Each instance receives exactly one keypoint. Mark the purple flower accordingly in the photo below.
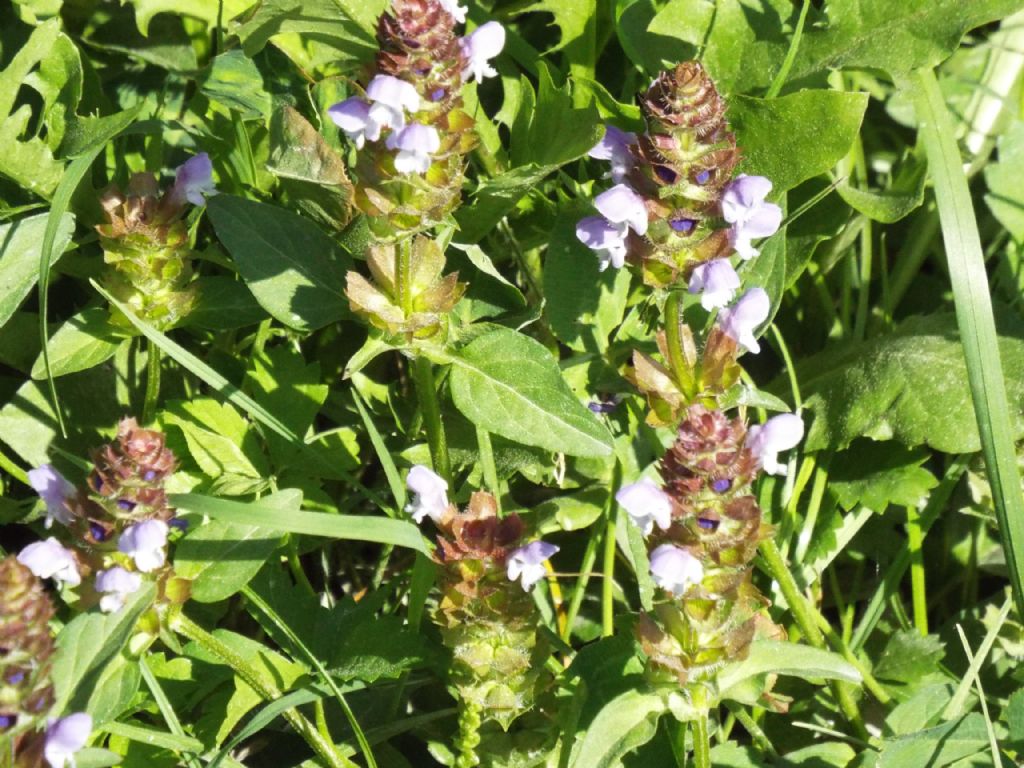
(779, 433)
(456, 10)
(116, 584)
(49, 560)
(751, 217)
(741, 319)
(479, 47)
(621, 209)
(604, 238)
(674, 569)
(615, 146)
(144, 542)
(646, 504)
(193, 181)
(64, 737)
(716, 281)
(527, 563)
(431, 494)
(415, 144)
(54, 490)
(353, 117)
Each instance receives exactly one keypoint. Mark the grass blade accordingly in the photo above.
(974, 317)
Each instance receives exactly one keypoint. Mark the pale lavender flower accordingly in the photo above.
(605, 239)
(646, 504)
(64, 737)
(615, 146)
(416, 144)
(674, 569)
(391, 97)
(430, 497)
(145, 542)
(623, 207)
(456, 10)
(741, 319)
(48, 559)
(353, 117)
(751, 217)
(716, 281)
(117, 585)
(479, 47)
(527, 563)
(55, 491)
(193, 181)
(779, 433)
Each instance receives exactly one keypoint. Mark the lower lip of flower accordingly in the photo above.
(682, 226)
(707, 523)
(721, 485)
(665, 174)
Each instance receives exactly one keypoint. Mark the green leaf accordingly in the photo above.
(203, 10)
(1005, 196)
(879, 474)
(909, 657)
(83, 341)
(626, 722)
(233, 81)
(154, 737)
(773, 657)
(577, 22)
(509, 384)
(893, 203)
(295, 271)
(89, 641)
(819, 128)
(555, 131)
(494, 198)
(20, 253)
(583, 304)
(936, 747)
(111, 693)
(223, 304)
(909, 385)
(400, 533)
(222, 557)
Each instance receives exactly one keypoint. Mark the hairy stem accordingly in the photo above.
(426, 391)
(152, 382)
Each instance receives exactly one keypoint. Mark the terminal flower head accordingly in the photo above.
(389, 99)
(145, 543)
(674, 569)
(751, 217)
(479, 47)
(779, 433)
(65, 737)
(48, 559)
(416, 144)
(116, 584)
(430, 497)
(716, 281)
(526, 564)
(739, 321)
(646, 504)
(55, 491)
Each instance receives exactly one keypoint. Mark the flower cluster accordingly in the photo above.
(676, 209)
(702, 526)
(118, 529)
(487, 619)
(26, 693)
(145, 241)
(408, 125)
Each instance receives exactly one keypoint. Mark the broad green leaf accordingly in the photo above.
(921, 710)
(494, 198)
(1005, 196)
(509, 384)
(154, 737)
(908, 657)
(555, 130)
(233, 81)
(400, 533)
(93, 757)
(112, 692)
(768, 657)
(89, 641)
(83, 341)
(936, 747)
(910, 385)
(204, 10)
(577, 22)
(905, 194)
(223, 304)
(626, 722)
(818, 127)
(311, 174)
(20, 251)
(571, 512)
(168, 45)
(583, 304)
(222, 557)
(296, 272)
(879, 474)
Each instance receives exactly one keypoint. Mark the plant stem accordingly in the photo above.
(608, 587)
(483, 440)
(701, 741)
(673, 320)
(152, 382)
(265, 688)
(915, 538)
(426, 390)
